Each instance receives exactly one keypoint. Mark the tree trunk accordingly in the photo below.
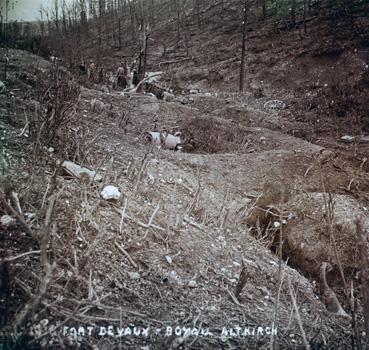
(178, 21)
(143, 52)
(305, 14)
(56, 9)
(198, 13)
(119, 33)
(112, 26)
(243, 51)
(132, 15)
(152, 14)
(293, 13)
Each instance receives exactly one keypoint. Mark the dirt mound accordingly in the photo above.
(322, 227)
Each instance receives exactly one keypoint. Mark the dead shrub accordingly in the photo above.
(60, 95)
(211, 136)
(346, 104)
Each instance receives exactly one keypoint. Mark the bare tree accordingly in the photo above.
(56, 15)
(152, 13)
(198, 13)
(83, 17)
(263, 6)
(132, 13)
(143, 39)
(243, 50)
(293, 13)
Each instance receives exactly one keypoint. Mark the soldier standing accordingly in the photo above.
(121, 76)
(101, 75)
(83, 68)
(91, 71)
(135, 78)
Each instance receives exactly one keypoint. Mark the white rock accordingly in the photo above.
(110, 192)
(168, 259)
(277, 224)
(151, 178)
(174, 275)
(7, 221)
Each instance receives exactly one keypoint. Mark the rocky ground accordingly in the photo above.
(191, 228)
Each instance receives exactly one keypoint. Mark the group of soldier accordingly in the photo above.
(121, 80)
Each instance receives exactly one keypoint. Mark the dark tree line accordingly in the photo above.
(67, 27)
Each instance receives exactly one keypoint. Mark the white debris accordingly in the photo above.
(44, 322)
(30, 216)
(347, 138)
(7, 220)
(192, 284)
(51, 149)
(2, 87)
(150, 94)
(277, 224)
(164, 139)
(151, 179)
(78, 171)
(275, 104)
(168, 259)
(174, 275)
(153, 76)
(134, 276)
(110, 192)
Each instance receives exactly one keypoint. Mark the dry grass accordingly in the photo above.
(212, 136)
(111, 262)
